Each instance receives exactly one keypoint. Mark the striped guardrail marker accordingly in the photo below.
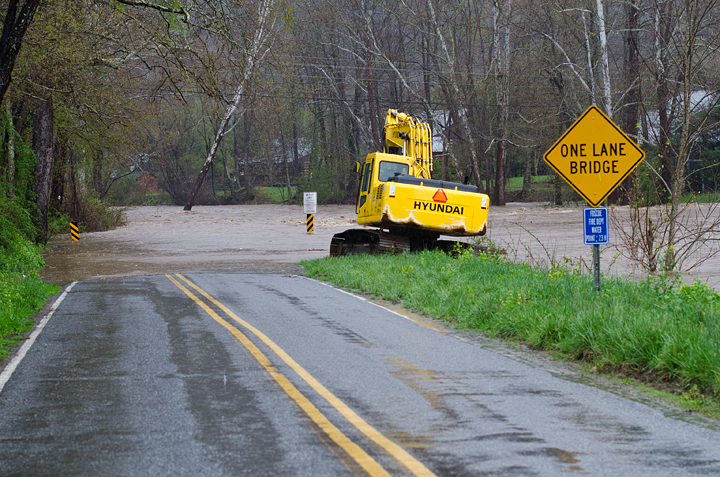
(310, 206)
(74, 232)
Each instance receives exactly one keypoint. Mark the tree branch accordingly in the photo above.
(160, 8)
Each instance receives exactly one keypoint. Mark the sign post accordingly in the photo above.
(310, 206)
(594, 156)
(595, 230)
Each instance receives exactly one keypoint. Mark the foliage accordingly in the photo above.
(18, 255)
(22, 188)
(324, 181)
(704, 158)
(95, 215)
(15, 220)
(273, 195)
(658, 328)
(20, 298)
(21, 292)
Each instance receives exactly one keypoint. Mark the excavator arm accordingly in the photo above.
(406, 136)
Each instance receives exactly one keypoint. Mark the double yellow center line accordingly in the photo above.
(362, 458)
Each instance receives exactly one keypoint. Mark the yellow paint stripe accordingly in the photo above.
(395, 450)
(354, 451)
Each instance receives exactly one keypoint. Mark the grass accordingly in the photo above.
(22, 294)
(20, 298)
(517, 182)
(658, 330)
(708, 198)
(274, 195)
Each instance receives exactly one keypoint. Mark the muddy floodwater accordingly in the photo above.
(273, 238)
(167, 239)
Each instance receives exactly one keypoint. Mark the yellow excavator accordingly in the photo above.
(402, 206)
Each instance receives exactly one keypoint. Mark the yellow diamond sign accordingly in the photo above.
(594, 156)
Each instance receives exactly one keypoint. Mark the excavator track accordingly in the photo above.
(374, 242)
(362, 241)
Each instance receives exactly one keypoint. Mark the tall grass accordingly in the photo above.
(20, 298)
(658, 328)
(21, 292)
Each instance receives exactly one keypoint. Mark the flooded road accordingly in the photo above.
(272, 238)
(166, 239)
(232, 364)
(267, 374)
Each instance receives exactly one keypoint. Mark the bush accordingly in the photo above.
(325, 182)
(90, 213)
(17, 218)
(18, 255)
(96, 215)
(21, 292)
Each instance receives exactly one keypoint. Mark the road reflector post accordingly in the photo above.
(74, 232)
(310, 207)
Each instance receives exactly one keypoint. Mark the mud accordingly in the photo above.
(273, 238)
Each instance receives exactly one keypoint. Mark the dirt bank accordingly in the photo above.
(273, 238)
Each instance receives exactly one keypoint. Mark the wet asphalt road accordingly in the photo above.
(132, 377)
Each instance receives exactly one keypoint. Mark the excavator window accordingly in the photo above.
(366, 177)
(389, 169)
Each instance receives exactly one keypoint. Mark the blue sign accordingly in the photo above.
(595, 225)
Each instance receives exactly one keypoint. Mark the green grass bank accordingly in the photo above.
(657, 330)
(22, 294)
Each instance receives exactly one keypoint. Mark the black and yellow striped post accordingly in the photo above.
(310, 207)
(74, 232)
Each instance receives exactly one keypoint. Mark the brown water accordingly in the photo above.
(273, 238)
(155, 240)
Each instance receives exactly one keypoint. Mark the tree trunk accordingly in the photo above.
(43, 147)
(502, 86)
(623, 195)
(527, 177)
(663, 95)
(296, 147)
(98, 175)
(248, 171)
(10, 152)
(371, 99)
(14, 27)
(287, 167)
(558, 189)
(607, 90)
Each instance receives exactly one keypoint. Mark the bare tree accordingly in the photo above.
(257, 51)
(501, 37)
(690, 49)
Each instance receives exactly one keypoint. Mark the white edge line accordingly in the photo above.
(351, 294)
(7, 372)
